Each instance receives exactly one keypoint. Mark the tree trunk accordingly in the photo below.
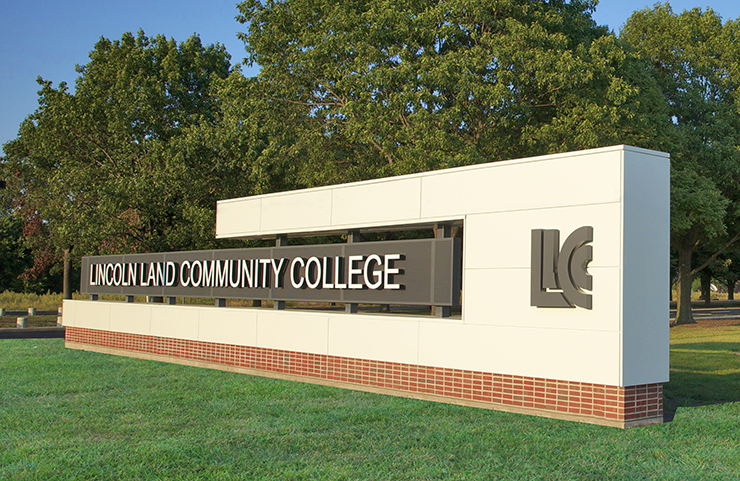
(730, 290)
(683, 286)
(706, 287)
(67, 276)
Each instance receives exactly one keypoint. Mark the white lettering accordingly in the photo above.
(170, 273)
(234, 282)
(246, 273)
(293, 272)
(376, 271)
(317, 271)
(193, 277)
(152, 277)
(389, 270)
(337, 273)
(109, 274)
(276, 270)
(222, 273)
(265, 272)
(352, 272)
(209, 274)
(160, 274)
(185, 277)
(326, 271)
(368, 269)
(143, 275)
(117, 274)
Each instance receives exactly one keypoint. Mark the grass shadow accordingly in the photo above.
(702, 373)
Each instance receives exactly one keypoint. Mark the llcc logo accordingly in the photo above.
(561, 268)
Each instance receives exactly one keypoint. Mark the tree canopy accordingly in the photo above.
(387, 88)
(155, 131)
(695, 60)
(113, 167)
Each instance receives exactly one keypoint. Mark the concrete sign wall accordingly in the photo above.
(564, 281)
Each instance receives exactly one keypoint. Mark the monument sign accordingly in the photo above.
(547, 279)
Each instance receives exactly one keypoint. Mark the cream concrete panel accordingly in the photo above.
(298, 210)
(583, 356)
(505, 239)
(293, 331)
(131, 318)
(93, 315)
(583, 178)
(374, 337)
(389, 201)
(228, 326)
(69, 310)
(502, 297)
(646, 268)
(238, 216)
(178, 322)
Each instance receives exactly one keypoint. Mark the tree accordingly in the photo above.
(14, 258)
(54, 194)
(244, 139)
(728, 270)
(387, 88)
(113, 167)
(695, 62)
(26, 263)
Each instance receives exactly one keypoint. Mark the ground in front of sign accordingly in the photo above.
(117, 417)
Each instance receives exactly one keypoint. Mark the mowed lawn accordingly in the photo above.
(75, 415)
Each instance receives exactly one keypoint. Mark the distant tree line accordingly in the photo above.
(156, 131)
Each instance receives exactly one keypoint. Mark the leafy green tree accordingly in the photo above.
(728, 270)
(55, 196)
(386, 88)
(26, 262)
(695, 61)
(14, 258)
(244, 139)
(113, 167)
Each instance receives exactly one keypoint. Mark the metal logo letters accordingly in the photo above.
(559, 275)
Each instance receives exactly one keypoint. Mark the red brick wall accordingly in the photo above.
(591, 402)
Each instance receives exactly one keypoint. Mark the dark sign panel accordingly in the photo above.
(417, 272)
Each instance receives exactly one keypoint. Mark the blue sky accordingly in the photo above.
(48, 38)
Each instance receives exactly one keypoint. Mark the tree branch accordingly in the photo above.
(714, 256)
(308, 104)
(380, 149)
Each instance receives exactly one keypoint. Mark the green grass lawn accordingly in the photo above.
(76, 415)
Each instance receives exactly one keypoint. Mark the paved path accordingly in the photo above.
(713, 313)
(32, 333)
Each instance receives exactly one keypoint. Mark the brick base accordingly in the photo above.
(585, 402)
